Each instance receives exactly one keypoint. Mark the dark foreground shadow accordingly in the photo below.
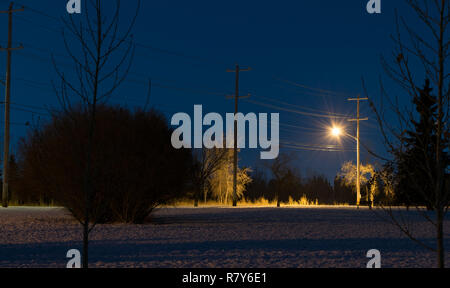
(114, 252)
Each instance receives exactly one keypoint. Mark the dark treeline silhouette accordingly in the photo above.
(292, 187)
(342, 192)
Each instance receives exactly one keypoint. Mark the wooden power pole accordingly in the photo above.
(236, 100)
(8, 50)
(358, 163)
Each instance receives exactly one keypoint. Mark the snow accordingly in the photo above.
(218, 237)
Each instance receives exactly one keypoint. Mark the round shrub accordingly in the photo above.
(134, 167)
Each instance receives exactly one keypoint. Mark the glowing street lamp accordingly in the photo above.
(336, 131)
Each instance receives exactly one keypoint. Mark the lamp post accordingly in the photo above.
(337, 132)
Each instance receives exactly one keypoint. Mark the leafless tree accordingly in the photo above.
(206, 163)
(102, 54)
(422, 54)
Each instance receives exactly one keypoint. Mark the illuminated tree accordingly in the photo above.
(349, 174)
(206, 163)
(221, 182)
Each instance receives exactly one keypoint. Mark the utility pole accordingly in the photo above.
(358, 167)
(236, 100)
(8, 50)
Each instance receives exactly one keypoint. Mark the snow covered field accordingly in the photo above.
(217, 237)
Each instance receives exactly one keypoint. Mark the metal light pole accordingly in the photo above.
(336, 132)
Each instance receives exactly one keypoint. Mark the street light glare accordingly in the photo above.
(336, 131)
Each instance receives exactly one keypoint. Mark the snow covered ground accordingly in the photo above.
(217, 237)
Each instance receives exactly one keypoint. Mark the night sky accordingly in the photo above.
(185, 47)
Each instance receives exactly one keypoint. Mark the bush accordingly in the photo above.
(134, 166)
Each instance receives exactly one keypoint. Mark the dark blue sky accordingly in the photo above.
(324, 44)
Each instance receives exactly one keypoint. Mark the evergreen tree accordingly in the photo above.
(417, 163)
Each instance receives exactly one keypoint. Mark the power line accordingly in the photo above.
(30, 106)
(38, 85)
(323, 91)
(30, 111)
(178, 54)
(177, 88)
(321, 146)
(34, 107)
(138, 44)
(36, 11)
(43, 59)
(298, 127)
(302, 92)
(204, 91)
(51, 52)
(300, 148)
(129, 80)
(33, 84)
(24, 19)
(303, 107)
(294, 111)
